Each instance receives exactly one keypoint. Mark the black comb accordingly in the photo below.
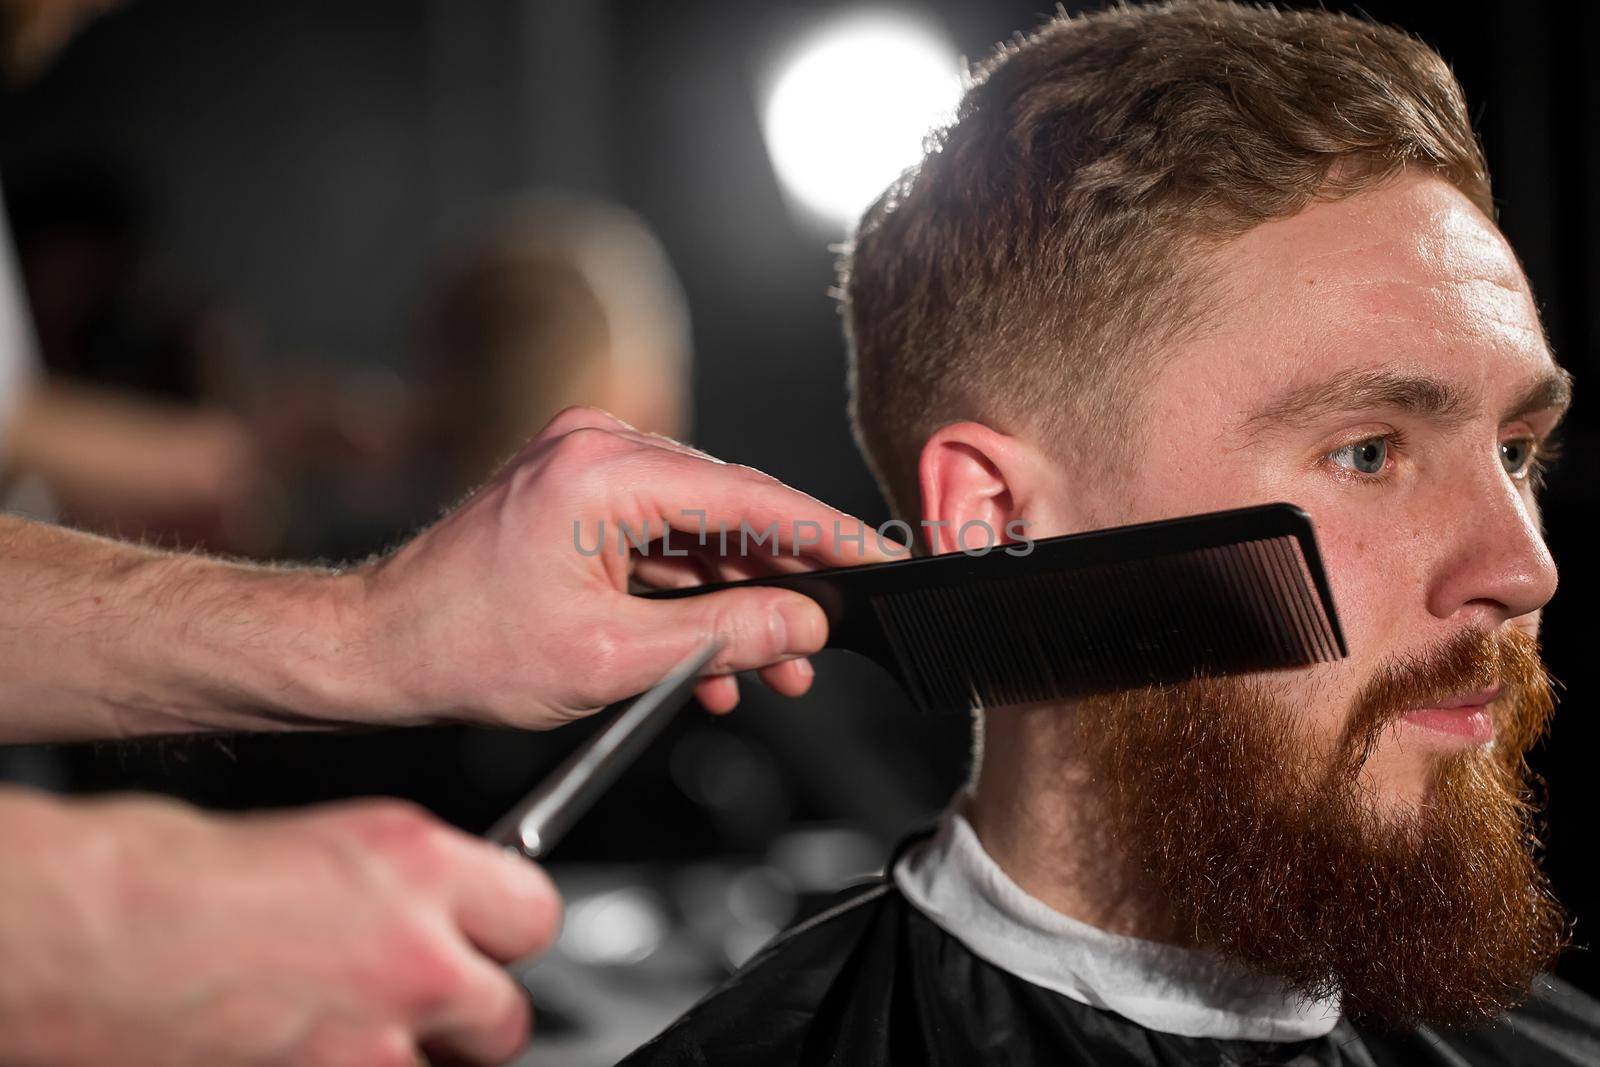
(1160, 602)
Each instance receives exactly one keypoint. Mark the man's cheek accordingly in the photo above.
(1185, 483)
(1377, 576)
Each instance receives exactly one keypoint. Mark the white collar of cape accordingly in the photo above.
(954, 882)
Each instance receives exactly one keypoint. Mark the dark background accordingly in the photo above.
(307, 161)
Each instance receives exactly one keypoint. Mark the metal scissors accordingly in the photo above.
(534, 826)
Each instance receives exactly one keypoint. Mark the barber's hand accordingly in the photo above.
(496, 615)
(141, 932)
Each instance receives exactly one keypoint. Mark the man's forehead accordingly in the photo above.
(1408, 277)
(1414, 228)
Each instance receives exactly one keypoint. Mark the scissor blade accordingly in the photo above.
(546, 814)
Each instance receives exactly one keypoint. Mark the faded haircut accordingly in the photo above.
(1030, 272)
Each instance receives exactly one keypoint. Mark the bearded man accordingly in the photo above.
(1169, 260)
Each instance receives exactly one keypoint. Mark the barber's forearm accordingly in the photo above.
(494, 614)
(104, 639)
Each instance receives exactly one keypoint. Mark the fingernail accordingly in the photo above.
(802, 626)
(804, 667)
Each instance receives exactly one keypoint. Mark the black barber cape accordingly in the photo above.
(872, 982)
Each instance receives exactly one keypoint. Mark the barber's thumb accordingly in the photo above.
(757, 626)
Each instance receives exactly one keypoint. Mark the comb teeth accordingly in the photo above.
(991, 642)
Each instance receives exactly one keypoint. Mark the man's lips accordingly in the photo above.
(1464, 716)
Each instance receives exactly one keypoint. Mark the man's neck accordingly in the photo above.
(1038, 814)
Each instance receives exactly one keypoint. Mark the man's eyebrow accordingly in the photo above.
(1552, 389)
(1434, 399)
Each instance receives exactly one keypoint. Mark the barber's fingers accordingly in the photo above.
(792, 677)
(730, 522)
(644, 489)
(674, 565)
(503, 904)
(768, 520)
(486, 1022)
(672, 572)
(757, 626)
(690, 490)
(720, 693)
(350, 1041)
(700, 567)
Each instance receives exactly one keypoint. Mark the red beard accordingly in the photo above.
(1436, 915)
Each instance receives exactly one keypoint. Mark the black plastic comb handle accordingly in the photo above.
(1223, 592)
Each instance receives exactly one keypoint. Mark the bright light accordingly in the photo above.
(849, 108)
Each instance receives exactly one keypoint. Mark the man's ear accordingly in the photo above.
(981, 488)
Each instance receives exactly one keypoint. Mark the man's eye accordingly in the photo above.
(1518, 456)
(1364, 457)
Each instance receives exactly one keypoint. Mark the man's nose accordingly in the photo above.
(1496, 559)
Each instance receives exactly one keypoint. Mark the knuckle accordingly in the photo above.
(430, 978)
(574, 462)
(586, 445)
(747, 630)
(398, 821)
(387, 817)
(405, 835)
(574, 417)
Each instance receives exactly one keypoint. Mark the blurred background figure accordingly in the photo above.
(136, 427)
(549, 299)
(118, 433)
(558, 299)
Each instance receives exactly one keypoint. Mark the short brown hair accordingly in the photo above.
(1026, 271)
